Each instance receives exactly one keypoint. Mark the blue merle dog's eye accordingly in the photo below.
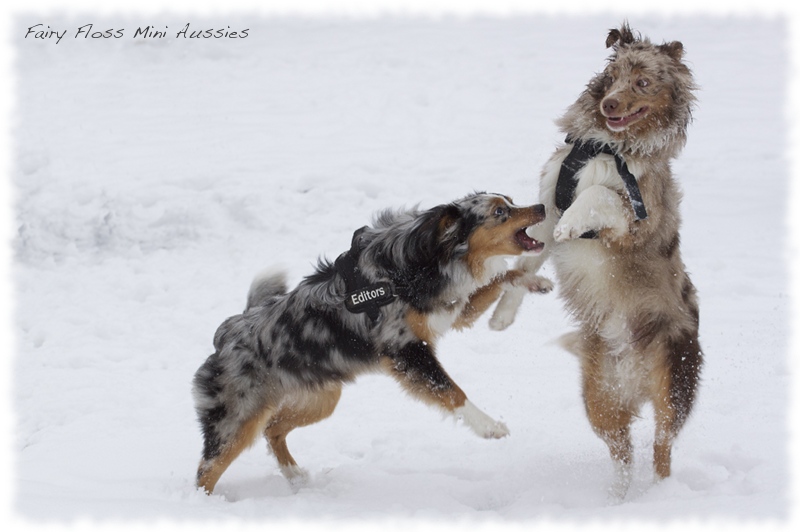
(500, 211)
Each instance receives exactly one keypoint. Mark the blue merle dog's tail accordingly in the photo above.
(266, 285)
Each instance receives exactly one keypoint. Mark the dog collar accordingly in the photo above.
(361, 295)
(578, 157)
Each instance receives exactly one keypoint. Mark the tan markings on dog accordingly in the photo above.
(209, 473)
(660, 384)
(493, 239)
(418, 324)
(482, 299)
(449, 398)
(306, 409)
(609, 417)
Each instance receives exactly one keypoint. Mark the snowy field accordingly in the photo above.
(153, 178)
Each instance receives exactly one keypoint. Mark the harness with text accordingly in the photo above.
(361, 296)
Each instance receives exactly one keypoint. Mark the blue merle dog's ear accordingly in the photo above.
(449, 229)
(436, 238)
(449, 217)
(456, 225)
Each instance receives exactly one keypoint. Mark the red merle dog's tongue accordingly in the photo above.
(526, 242)
(622, 121)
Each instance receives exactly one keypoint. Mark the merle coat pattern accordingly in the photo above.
(628, 290)
(282, 362)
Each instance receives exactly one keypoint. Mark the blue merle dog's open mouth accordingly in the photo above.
(526, 242)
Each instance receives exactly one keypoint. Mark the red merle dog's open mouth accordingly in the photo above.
(618, 123)
(526, 242)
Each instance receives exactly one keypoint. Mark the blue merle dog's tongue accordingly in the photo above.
(526, 242)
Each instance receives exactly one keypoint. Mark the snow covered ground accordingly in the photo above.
(153, 178)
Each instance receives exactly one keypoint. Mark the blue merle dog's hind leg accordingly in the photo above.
(303, 410)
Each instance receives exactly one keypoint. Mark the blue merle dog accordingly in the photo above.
(381, 306)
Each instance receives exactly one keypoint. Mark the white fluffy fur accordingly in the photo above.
(480, 423)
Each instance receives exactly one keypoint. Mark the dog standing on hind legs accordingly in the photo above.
(380, 307)
(612, 232)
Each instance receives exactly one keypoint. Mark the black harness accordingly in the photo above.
(360, 294)
(578, 157)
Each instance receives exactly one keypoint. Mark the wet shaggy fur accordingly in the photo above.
(628, 290)
(282, 363)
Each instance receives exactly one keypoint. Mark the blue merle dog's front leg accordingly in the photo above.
(416, 369)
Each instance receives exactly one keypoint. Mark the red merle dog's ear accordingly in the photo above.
(619, 37)
(673, 49)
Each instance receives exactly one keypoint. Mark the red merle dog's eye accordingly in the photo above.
(642, 83)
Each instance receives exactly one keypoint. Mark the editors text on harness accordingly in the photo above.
(361, 295)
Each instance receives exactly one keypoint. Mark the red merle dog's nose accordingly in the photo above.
(610, 105)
